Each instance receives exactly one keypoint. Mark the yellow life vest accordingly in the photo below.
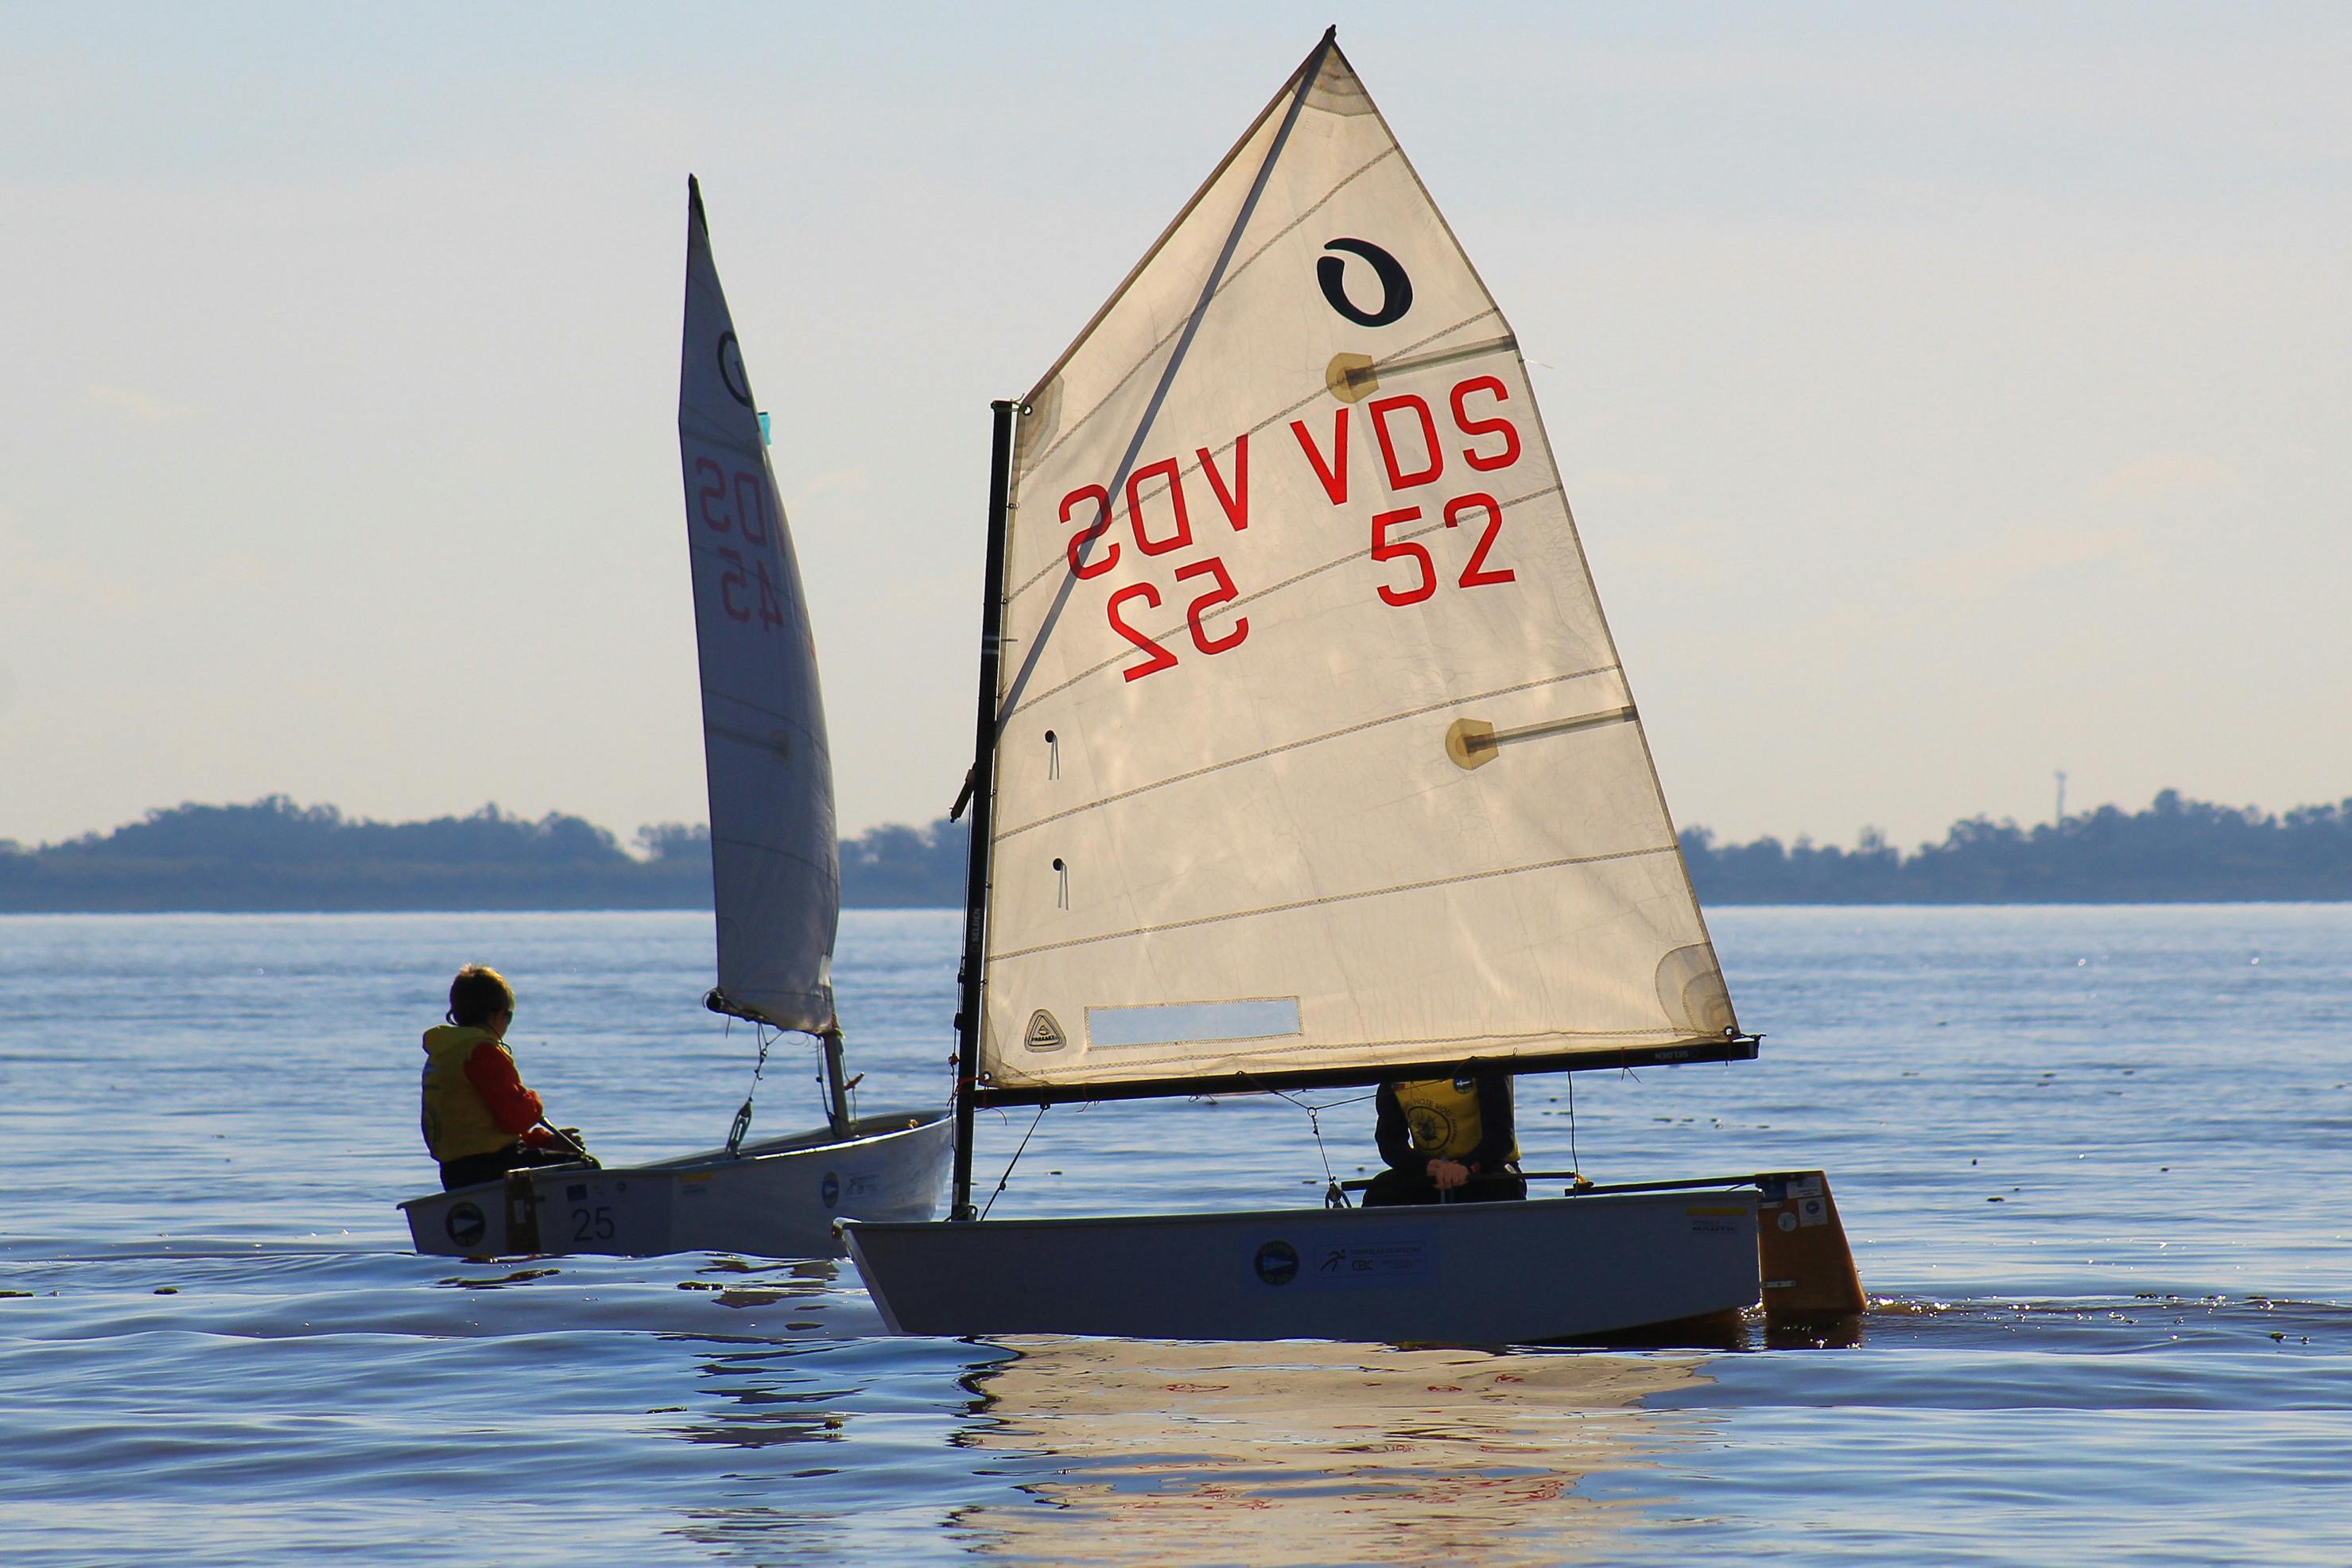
(1442, 1116)
(456, 1118)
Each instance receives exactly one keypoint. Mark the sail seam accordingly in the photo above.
(1231, 604)
(1061, 562)
(1306, 741)
(1231, 278)
(777, 850)
(746, 738)
(1330, 899)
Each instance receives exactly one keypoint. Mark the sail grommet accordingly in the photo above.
(1062, 898)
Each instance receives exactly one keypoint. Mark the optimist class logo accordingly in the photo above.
(1396, 289)
(730, 370)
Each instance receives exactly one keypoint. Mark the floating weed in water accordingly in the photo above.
(520, 1276)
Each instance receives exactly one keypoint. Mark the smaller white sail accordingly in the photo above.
(775, 866)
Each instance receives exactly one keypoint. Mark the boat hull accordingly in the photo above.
(1497, 1273)
(777, 1198)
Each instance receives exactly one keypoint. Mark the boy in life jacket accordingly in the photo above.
(479, 1120)
(1446, 1141)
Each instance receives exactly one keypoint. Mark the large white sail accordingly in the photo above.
(775, 866)
(1313, 751)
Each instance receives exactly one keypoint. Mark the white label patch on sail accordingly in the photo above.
(775, 868)
(1308, 692)
(1178, 1023)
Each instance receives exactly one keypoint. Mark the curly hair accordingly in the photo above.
(477, 994)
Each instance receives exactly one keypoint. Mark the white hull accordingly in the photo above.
(778, 1198)
(1499, 1273)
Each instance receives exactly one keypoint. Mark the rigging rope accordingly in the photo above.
(1002, 1180)
(1333, 1197)
(743, 1115)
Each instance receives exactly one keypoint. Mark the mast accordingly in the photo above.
(837, 1093)
(983, 791)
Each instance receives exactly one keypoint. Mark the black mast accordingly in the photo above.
(981, 790)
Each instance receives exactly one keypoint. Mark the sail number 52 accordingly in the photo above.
(737, 503)
(1422, 576)
(1157, 657)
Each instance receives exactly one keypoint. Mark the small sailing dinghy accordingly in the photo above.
(776, 881)
(1304, 759)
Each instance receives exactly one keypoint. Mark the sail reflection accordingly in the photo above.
(1304, 1453)
(768, 1398)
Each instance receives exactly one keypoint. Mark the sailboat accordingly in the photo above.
(776, 885)
(1304, 759)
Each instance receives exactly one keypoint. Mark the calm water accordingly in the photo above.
(2095, 1161)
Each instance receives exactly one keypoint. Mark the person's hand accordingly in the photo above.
(1448, 1174)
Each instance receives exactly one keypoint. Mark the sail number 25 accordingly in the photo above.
(736, 504)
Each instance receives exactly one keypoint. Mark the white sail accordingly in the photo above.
(1313, 751)
(775, 866)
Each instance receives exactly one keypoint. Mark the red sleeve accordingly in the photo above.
(492, 1073)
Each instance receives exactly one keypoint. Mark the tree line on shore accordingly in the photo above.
(273, 855)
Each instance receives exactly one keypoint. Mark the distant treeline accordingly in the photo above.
(276, 855)
(2177, 851)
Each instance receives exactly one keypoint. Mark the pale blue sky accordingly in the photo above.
(1947, 395)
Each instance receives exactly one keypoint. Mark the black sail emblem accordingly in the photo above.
(730, 370)
(1396, 289)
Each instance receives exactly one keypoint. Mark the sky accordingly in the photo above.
(1948, 395)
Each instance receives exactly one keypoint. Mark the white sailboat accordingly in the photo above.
(776, 883)
(1305, 758)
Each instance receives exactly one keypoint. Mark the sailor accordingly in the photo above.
(1446, 1141)
(479, 1120)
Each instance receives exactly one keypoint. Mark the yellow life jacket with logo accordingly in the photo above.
(456, 1118)
(1442, 1116)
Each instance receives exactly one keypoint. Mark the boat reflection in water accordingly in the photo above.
(1306, 1452)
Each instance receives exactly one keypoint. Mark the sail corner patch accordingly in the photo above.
(1044, 1033)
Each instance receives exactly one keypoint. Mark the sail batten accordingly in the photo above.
(775, 868)
(1319, 730)
(1004, 833)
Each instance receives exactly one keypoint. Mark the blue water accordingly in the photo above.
(2094, 1163)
